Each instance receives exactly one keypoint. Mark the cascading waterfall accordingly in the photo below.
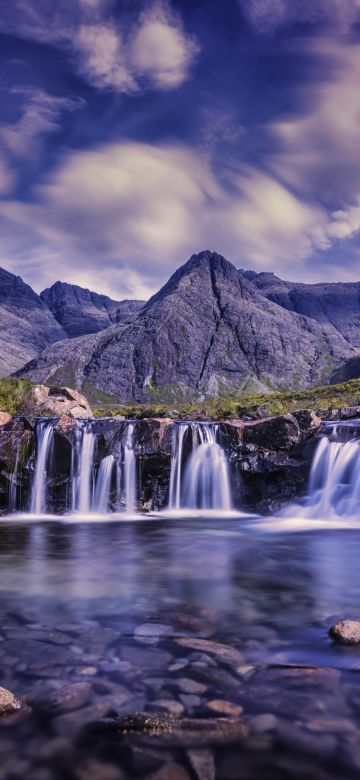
(90, 494)
(201, 480)
(334, 484)
(44, 435)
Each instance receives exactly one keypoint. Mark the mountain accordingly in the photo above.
(209, 330)
(80, 311)
(26, 324)
(336, 304)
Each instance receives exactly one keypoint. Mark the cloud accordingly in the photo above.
(159, 50)
(268, 15)
(317, 146)
(151, 49)
(147, 208)
(40, 115)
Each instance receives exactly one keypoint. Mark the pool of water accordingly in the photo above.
(196, 617)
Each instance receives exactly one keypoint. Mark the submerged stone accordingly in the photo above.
(346, 632)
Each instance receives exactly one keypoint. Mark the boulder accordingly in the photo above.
(4, 418)
(308, 421)
(9, 704)
(59, 401)
(273, 433)
(346, 632)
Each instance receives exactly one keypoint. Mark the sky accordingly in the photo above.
(134, 133)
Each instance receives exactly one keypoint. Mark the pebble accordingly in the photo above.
(187, 685)
(223, 652)
(225, 707)
(170, 705)
(93, 769)
(66, 699)
(153, 630)
(262, 723)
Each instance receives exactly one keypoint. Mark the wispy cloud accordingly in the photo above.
(152, 206)
(267, 15)
(150, 49)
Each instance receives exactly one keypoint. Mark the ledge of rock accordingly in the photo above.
(346, 632)
(274, 433)
(59, 401)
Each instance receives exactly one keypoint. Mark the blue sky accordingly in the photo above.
(134, 133)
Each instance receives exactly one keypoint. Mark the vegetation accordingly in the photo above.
(13, 394)
(325, 397)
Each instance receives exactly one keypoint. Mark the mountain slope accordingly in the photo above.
(80, 311)
(336, 304)
(208, 330)
(26, 324)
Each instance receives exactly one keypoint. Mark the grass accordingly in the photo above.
(325, 397)
(14, 393)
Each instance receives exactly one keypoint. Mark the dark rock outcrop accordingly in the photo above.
(80, 311)
(334, 304)
(27, 326)
(350, 370)
(208, 331)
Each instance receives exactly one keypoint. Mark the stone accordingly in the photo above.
(59, 401)
(203, 764)
(187, 685)
(262, 723)
(346, 632)
(66, 699)
(274, 433)
(308, 421)
(95, 769)
(225, 653)
(225, 707)
(170, 772)
(4, 418)
(9, 704)
(152, 630)
(178, 732)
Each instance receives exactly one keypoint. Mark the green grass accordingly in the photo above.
(325, 397)
(13, 394)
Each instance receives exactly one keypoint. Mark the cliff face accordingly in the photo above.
(26, 324)
(208, 331)
(336, 305)
(80, 311)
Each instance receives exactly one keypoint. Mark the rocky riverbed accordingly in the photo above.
(187, 650)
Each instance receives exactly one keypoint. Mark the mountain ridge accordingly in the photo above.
(208, 331)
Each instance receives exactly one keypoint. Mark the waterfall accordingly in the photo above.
(334, 484)
(119, 473)
(44, 436)
(129, 469)
(103, 484)
(201, 480)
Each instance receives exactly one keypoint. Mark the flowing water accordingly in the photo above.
(199, 477)
(44, 435)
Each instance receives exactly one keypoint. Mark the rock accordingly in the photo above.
(26, 324)
(308, 421)
(80, 311)
(203, 764)
(205, 332)
(178, 732)
(187, 685)
(225, 707)
(9, 704)
(59, 401)
(152, 630)
(347, 632)
(4, 418)
(225, 653)
(262, 723)
(170, 772)
(66, 699)
(95, 769)
(274, 433)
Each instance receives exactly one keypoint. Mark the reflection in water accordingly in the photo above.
(291, 583)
